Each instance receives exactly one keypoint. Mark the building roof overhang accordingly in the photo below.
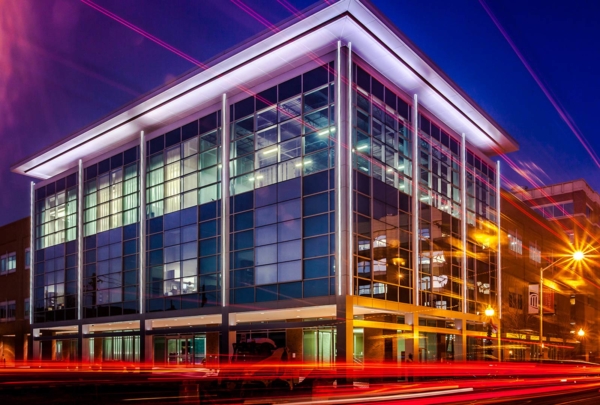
(373, 39)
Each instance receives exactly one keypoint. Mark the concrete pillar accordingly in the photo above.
(212, 348)
(460, 340)
(84, 344)
(98, 350)
(146, 343)
(34, 346)
(293, 341)
(345, 330)
(411, 343)
(374, 345)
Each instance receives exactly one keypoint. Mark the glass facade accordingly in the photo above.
(111, 229)
(482, 235)
(282, 221)
(55, 277)
(282, 224)
(382, 183)
(111, 188)
(183, 211)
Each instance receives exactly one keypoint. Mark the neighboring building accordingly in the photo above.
(14, 291)
(531, 243)
(574, 208)
(280, 193)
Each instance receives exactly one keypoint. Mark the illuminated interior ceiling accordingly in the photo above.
(297, 43)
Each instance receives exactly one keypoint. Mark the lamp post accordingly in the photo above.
(577, 256)
(581, 334)
(489, 312)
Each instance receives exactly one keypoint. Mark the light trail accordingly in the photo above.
(557, 106)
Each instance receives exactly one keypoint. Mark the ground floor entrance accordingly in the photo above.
(180, 350)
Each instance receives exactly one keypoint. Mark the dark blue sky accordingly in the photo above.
(63, 65)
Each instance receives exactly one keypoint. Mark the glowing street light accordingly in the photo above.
(489, 311)
(577, 256)
(581, 332)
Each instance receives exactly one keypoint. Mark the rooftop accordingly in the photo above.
(294, 43)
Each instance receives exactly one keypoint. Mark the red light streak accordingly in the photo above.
(559, 109)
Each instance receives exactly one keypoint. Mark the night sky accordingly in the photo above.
(64, 65)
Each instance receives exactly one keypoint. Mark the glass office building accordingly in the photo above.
(324, 186)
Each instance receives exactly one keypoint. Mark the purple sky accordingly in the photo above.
(64, 65)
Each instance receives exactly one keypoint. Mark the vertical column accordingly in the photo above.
(142, 217)
(415, 199)
(499, 239)
(347, 143)
(80, 241)
(32, 218)
(411, 344)
(343, 186)
(463, 220)
(460, 340)
(224, 204)
(499, 260)
(83, 347)
(146, 349)
(340, 271)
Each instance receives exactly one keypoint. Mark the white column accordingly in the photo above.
(32, 218)
(499, 247)
(142, 217)
(347, 141)
(224, 202)
(463, 214)
(80, 240)
(415, 200)
(339, 269)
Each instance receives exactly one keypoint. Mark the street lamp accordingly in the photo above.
(577, 256)
(581, 334)
(489, 312)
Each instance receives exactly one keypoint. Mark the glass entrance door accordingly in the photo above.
(179, 351)
(319, 346)
(185, 350)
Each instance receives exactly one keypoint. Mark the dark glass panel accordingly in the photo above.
(104, 166)
(315, 183)
(130, 232)
(209, 122)
(244, 108)
(130, 155)
(315, 268)
(316, 288)
(289, 189)
(377, 88)
(243, 202)
(265, 195)
(243, 295)
(315, 78)
(266, 293)
(156, 145)
(363, 79)
(318, 246)
(290, 290)
(60, 185)
(266, 98)
(189, 130)
(208, 211)
(290, 88)
(116, 161)
(173, 137)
